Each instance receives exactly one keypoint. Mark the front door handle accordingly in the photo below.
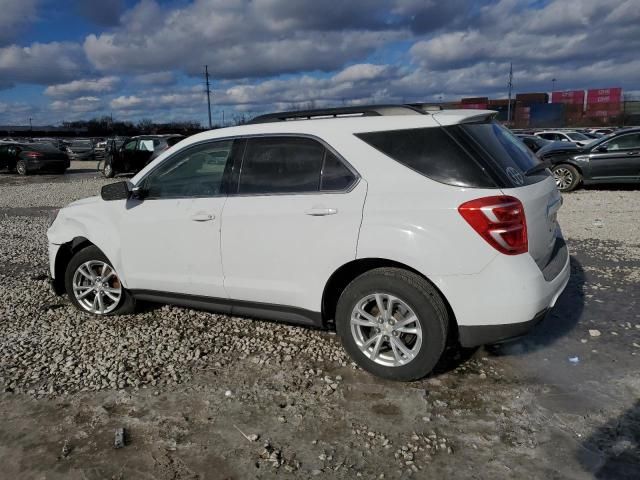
(321, 212)
(632, 153)
(202, 217)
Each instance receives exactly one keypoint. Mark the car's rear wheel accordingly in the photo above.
(21, 167)
(93, 284)
(567, 177)
(393, 323)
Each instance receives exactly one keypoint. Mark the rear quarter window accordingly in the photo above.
(432, 152)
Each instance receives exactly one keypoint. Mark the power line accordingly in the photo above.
(206, 76)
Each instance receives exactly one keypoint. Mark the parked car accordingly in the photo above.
(534, 143)
(564, 136)
(25, 158)
(403, 229)
(600, 131)
(100, 148)
(81, 150)
(134, 153)
(614, 158)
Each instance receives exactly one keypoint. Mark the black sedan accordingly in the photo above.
(134, 153)
(26, 158)
(614, 158)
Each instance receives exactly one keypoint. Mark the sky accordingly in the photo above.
(65, 60)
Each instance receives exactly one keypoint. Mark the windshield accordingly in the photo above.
(577, 136)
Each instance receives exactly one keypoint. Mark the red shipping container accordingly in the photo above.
(474, 106)
(604, 95)
(475, 100)
(574, 97)
(605, 106)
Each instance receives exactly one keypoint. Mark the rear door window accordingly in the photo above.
(281, 165)
(335, 174)
(432, 152)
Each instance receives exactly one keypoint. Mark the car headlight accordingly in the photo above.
(53, 214)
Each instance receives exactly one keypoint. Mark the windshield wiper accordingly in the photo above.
(537, 168)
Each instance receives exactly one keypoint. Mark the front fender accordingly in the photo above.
(98, 223)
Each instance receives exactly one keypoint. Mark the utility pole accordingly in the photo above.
(30, 125)
(510, 84)
(206, 76)
(223, 118)
(553, 84)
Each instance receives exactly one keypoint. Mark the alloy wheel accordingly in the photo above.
(96, 287)
(564, 178)
(386, 330)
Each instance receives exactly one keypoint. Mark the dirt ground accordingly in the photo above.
(281, 401)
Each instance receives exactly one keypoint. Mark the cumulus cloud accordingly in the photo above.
(239, 39)
(84, 86)
(126, 102)
(15, 15)
(77, 105)
(41, 63)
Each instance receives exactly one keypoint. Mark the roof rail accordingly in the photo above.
(354, 111)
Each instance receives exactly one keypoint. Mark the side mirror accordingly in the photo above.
(116, 191)
(602, 148)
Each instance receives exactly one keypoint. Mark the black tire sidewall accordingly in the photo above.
(86, 254)
(24, 165)
(108, 170)
(432, 317)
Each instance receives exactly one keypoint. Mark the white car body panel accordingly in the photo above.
(276, 252)
(173, 245)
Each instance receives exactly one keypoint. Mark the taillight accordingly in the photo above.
(33, 154)
(500, 220)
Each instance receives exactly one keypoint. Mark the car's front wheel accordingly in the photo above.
(93, 284)
(393, 323)
(567, 177)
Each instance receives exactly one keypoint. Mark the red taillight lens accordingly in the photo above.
(500, 220)
(33, 154)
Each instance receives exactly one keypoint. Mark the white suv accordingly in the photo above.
(402, 228)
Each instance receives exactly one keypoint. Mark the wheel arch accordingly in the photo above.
(63, 257)
(348, 272)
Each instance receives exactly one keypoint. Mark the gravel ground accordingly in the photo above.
(210, 396)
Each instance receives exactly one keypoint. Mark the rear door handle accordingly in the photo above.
(321, 212)
(202, 217)
(632, 153)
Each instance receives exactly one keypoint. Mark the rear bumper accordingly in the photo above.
(473, 336)
(507, 298)
(47, 165)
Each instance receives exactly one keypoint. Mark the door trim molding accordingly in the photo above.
(268, 311)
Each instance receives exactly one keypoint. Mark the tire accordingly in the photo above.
(108, 170)
(423, 338)
(92, 260)
(567, 177)
(21, 167)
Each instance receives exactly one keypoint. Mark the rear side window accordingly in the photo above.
(281, 165)
(433, 153)
(335, 175)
